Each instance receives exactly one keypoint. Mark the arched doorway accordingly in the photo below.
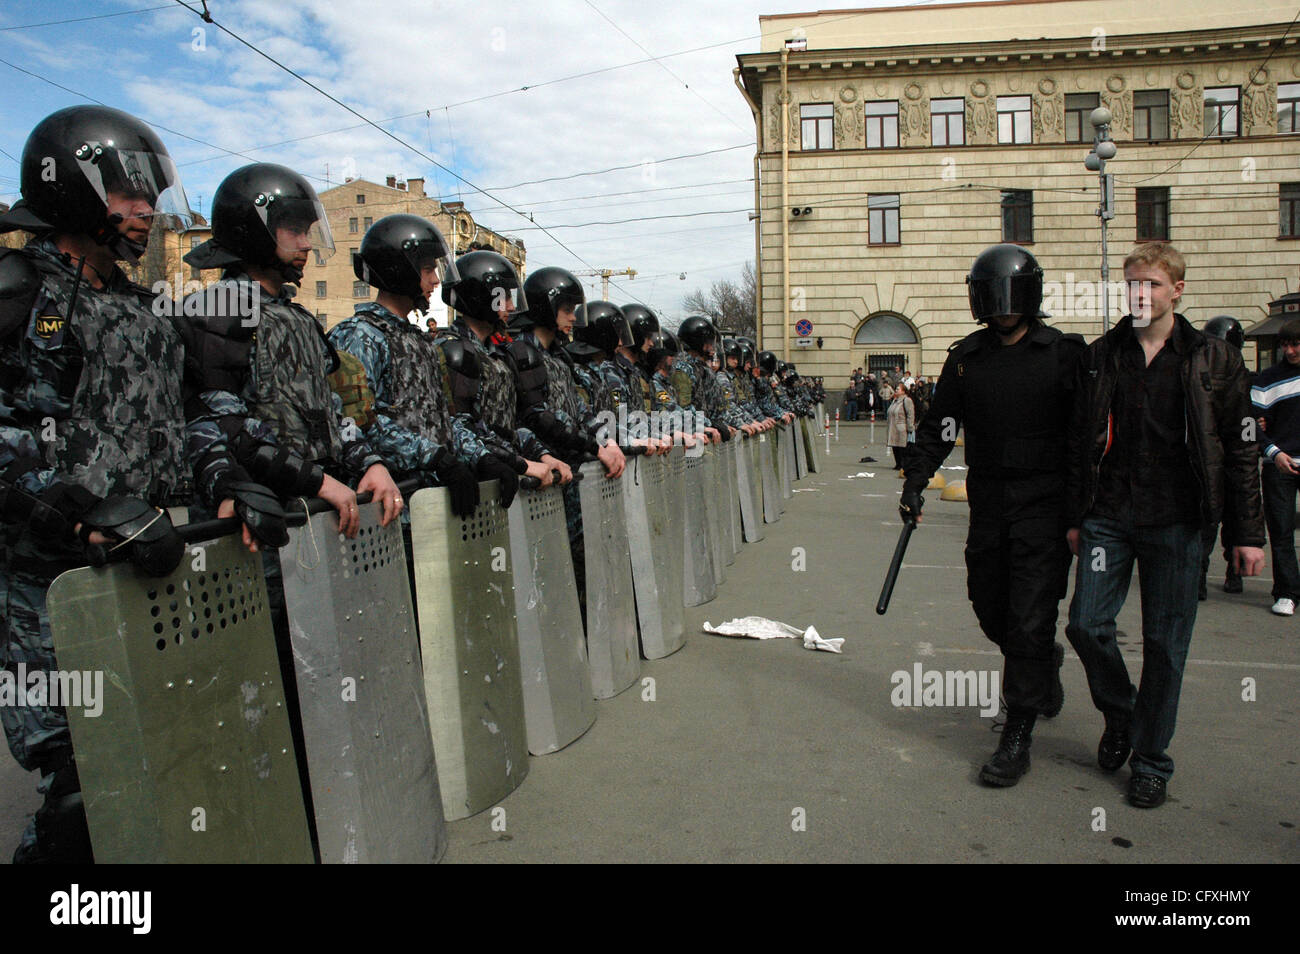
(884, 340)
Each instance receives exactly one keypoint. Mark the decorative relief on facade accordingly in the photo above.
(774, 127)
(1049, 117)
(848, 94)
(1186, 80)
(1259, 111)
(914, 123)
(1115, 83)
(1259, 77)
(979, 89)
(1152, 78)
(982, 120)
(1121, 111)
(849, 131)
(1047, 86)
(1186, 113)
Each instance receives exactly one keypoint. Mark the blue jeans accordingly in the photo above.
(1169, 568)
(1279, 514)
(850, 410)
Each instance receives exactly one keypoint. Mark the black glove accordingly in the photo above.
(459, 480)
(145, 532)
(260, 511)
(725, 431)
(910, 504)
(491, 467)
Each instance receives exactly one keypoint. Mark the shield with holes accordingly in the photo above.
(700, 583)
(718, 530)
(190, 757)
(785, 471)
(731, 492)
(749, 488)
(800, 449)
(611, 603)
(558, 701)
(725, 551)
(767, 474)
(654, 539)
(469, 648)
(810, 445)
(356, 653)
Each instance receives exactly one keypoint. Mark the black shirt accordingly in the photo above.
(1146, 477)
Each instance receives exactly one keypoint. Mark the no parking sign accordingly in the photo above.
(803, 327)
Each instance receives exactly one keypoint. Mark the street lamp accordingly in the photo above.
(1102, 149)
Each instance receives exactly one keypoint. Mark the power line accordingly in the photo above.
(602, 195)
(102, 16)
(640, 218)
(630, 165)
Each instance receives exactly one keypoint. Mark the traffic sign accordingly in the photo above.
(803, 327)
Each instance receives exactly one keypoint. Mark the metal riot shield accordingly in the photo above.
(189, 757)
(749, 487)
(731, 489)
(809, 435)
(767, 472)
(725, 554)
(356, 653)
(470, 650)
(800, 449)
(786, 472)
(714, 507)
(654, 535)
(611, 602)
(559, 705)
(698, 583)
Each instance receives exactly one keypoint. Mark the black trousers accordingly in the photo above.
(1017, 573)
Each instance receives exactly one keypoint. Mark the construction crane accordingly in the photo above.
(603, 274)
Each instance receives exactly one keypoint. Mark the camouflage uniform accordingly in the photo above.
(91, 403)
(493, 420)
(691, 388)
(408, 374)
(733, 399)
(766, 398)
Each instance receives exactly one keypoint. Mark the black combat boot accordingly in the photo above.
(1056, 697)
(1232, 581)
(1011, 760)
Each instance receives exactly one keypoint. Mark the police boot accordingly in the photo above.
(1056, 691)
(1232, 581)
(1011, 760)
(62, 835)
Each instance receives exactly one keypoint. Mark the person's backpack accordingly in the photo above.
(350, 384)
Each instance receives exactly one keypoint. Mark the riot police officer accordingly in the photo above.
(1009, 386)
(94, 440)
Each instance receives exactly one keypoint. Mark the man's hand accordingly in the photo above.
(227, 509)
(539, 470)
(1248, 561)
(344, 501)
(909, 505)
(384, 491)
(1285, 463)
(1072, 538)
(566, 472)
(612, 457)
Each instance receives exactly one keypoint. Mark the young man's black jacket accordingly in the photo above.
(1218, 419)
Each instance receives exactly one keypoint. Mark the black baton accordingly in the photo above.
(895, 565)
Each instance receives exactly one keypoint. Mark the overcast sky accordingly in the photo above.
(445, 78)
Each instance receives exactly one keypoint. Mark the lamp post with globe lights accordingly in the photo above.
(1103, 148)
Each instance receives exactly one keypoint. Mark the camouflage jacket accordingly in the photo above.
(635, 384)
(691, 387)
(733, 400)
(493, 419)
(286, 385)
(93, 401)
(766, 397)
(407, 371)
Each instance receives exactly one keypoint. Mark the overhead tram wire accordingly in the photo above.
(630, 165)
(101, 16)
(611, 195)
(640, 218)
(207, 18)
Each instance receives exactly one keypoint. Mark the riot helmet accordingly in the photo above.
(267, 216)
(643, 323)
(697, 333)
(395, 252)
(88, 169)
(767, 362)
(488, 289)
(1005, 280)
(548, 291)
(604, 327)
(731, 348)
(1228, 328)
(663, 344)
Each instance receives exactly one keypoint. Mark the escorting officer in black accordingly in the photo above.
(1226, 328)
(1010, 387)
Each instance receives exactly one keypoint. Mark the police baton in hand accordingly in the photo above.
(896, 564)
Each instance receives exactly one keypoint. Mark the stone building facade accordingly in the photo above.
(919, 136)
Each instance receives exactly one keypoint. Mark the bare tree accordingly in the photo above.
(733, 306)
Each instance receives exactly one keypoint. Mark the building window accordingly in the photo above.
(195, 273)
(352, 225)
(1153, 214)
(882, 219)
(1151, 114)
(817, 126)
(323, 318)
(1289, 210)
(361, 198)
(1018, 216)
(1221, 110)
(1288, 107)
(1015, 119)
(320, 290)
(367, 222)
(948, 122)
(360, 290)
(1078, 106)
(882, 125)
(320, 259)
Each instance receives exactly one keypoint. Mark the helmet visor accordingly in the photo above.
(1005, 295)
(574, 300)
(296, 224)
(431, 253)
(137, 174)
(624, 330)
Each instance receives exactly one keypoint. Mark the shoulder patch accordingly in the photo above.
(48, 327)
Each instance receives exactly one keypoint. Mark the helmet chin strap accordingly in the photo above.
(291, 273)
(122, 247)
